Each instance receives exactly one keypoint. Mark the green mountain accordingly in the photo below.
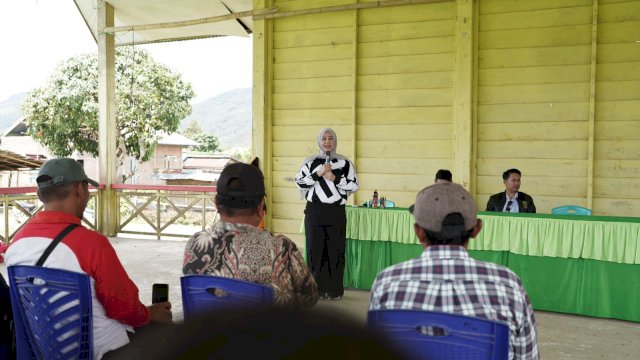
(10, 111)
(227, 116)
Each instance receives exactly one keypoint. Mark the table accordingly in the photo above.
(588, 265)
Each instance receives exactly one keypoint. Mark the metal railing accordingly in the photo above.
(160, 211)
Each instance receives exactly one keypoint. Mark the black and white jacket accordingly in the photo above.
(319, 189)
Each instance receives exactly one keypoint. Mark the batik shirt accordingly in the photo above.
(245, 252)
(446, 279)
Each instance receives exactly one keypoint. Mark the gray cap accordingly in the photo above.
(435, 202)
(62, 171)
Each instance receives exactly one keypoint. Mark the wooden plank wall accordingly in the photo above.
(617, 110)
(404, 98)
(533, 98)
(312, 89)
(534, 74)
(384, 80)
(380, 76)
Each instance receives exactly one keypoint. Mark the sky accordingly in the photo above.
(36, 35)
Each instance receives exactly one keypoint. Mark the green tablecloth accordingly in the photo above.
(585, 265)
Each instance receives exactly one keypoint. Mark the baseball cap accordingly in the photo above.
(62, 171)
(435, 202)
(251, 185)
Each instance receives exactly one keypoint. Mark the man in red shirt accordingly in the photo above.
(63, 187)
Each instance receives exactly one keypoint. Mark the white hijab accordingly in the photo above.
(321, 153)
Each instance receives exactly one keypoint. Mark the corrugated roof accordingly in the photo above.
(177, 140)
(12, 161)
(214, 162)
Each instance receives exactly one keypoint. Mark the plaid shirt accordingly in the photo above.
(445, 278)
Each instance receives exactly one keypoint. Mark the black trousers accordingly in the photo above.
(325, 227)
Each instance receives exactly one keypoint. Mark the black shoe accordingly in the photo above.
(324, 296)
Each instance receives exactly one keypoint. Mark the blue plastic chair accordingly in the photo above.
(52, 313)
(205, 293)
(571, 210)
(447, 336)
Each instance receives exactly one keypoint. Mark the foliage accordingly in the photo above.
(242, 154)
(209, 143)
(192, 129)
(150, 101)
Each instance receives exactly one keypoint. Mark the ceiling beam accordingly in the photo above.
(208, 20)
(356, 6)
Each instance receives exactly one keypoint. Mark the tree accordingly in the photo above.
(150, 101)
(242, 154)
(192, 130)
(208, 142)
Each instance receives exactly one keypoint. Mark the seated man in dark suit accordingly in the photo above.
(512, 199)
(443, 175)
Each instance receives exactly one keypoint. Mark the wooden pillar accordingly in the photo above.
(354, 114)
(262, 99)
(592, 104)
(107, 135)
(463, 93)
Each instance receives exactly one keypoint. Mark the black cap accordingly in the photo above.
(250, 187)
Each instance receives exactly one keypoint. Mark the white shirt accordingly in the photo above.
(513, 207)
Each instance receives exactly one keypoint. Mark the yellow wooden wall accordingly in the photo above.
(404, 98)
(545, 96)
(617, 110)
(534, 61)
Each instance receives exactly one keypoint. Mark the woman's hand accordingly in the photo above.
(328, 174)
(324, 170)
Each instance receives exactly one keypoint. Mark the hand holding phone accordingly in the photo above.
(159, 293)
(161, 312)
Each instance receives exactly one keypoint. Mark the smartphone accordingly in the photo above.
(159, 293)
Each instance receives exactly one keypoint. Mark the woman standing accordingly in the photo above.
(325, 181)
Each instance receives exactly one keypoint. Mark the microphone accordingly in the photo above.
(327, 158)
